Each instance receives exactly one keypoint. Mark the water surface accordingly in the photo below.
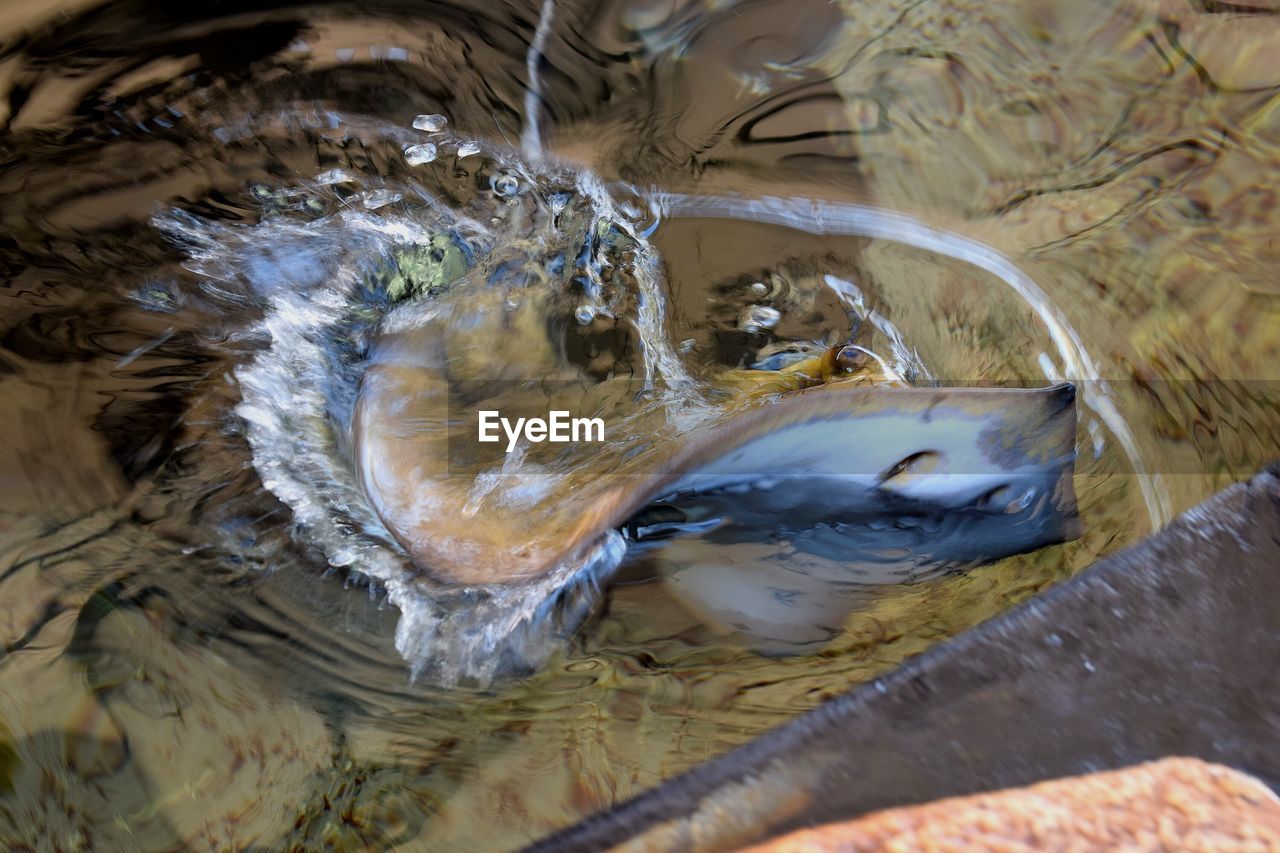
(204, 209)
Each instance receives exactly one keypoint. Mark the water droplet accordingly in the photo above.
(558, 202)
(756, 318)
(687, 345)
(416, 155)
(431, 123)
(468, 148)
(759, 288)
(333, 176)
(585, 314)
(380, 198)
(505, 185)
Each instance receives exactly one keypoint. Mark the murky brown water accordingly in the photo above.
(184, 667)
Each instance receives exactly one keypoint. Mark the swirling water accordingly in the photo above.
(205, 643)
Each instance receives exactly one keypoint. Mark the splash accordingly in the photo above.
(326, 286)
(392, 259)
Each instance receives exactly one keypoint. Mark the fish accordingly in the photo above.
(819, 502)
(833, 493)
(847, 474)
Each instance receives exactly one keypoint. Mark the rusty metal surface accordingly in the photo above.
(1171, 647)
(1170, 804)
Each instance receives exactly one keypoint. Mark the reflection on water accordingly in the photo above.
(206, 212)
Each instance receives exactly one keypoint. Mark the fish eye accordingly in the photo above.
(922, 462)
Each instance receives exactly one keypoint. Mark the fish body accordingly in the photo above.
(979, 472)
(965, 475)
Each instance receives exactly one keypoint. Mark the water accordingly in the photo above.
(208, 640)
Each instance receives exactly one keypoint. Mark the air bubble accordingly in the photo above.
(430, 123)
(757, 318)
(505, 185)
(585, 314)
